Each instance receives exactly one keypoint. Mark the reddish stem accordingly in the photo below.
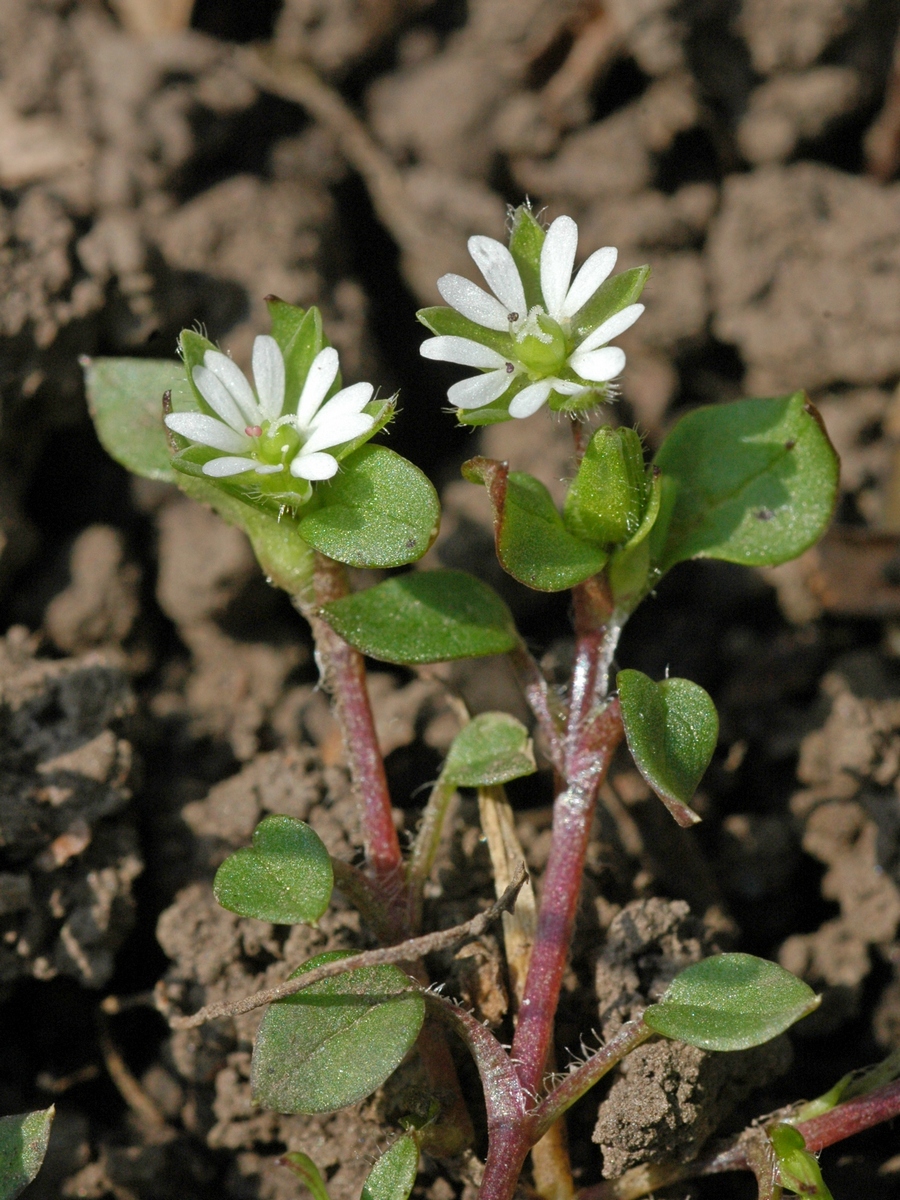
(881, 1104)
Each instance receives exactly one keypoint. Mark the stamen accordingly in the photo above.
(513, 317)
(509, 370)
(253, 431)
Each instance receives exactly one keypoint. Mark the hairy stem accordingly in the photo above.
(425, 848)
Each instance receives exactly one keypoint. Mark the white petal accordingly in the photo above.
(479, 390)
(334, 433)
(268, 469)
(313, 466)
(611, 328)
(268, 375)
(568, 387)
(322, 375)
(557, 260)
(474, 302)
(231, 375)
(219, 399)
(599, 365)
(221, 468)
(208, 432)
(499, 269)
(530, 399)
(461, 350)
(347, 402)
(593, 272)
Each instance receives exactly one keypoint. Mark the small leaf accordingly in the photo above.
(393, 1176)
(423, 617)
(611, 297)
(448, 322)
(378, 511)
(336, 1041)
(23, 1144)
(533, 544)
(752, 482)
(300, 338)
(125, 402)
(525, 245)
(731, 1002)
(307, 1172)
(608, 498)
(672, 728)
(798, 1170)
(493, 748)
(284, 877)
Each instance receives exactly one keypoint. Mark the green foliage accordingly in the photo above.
(336, 1041)
(731, 1002)
(608, 498)
(125, 400)
(493, 748)
(533, 544)
(380, 511)
(798, 1170)
(672, 728)
(284, 877)
(423, 617)
(393, 1176)
(307, 1172)
(753, 482)
(23, 1144)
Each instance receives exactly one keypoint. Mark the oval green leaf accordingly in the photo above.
(336, 1041)
(285, 876)
(23, 1144)
(378, 511)
(533, 544)
(672, 728)
(424, 617)
(493, 748)
(393, 1176)
(754, 482)
(731, 1002)
(125, 402)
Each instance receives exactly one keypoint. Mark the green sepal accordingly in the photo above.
(671, 728)
(193, 346)
(23, 1145)
(284, 877)
(307, 1172)
(731, 1002)
(498, 410)
(394, 1175)
(798, 1170)
(533, 544)
(448, 322)
(424, 617)
(607, 500)
(752, 482)
(254, 491)
(378, 511)
(525, 243)
(300, 337)
(586, 401)
(611, 297)
(333, 1043)
(493, 748)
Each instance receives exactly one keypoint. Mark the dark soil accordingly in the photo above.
(157, 698)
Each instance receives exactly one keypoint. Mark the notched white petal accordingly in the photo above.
(463, 351)
(352, 399)
(198, 427)
(474, 302)
(221, 468)
(314, 466)
(599, 366)
(335, 433)
(594, 271)
(322, 375)
(234, 379)
(557, 260)
(611, 328)
(219, 399)
(499, 269)
(479, 390)
(268, 374)
(530, 399)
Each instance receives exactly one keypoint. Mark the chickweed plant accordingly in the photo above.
(290, 459)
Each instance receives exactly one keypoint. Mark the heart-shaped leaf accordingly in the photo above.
(423, 617)
(672, 728)
(23, 1144)
(378, 511)
(754, 482)
(493, 748)
(731, 1002)
(393, 1176)
(125, 402)
(532, 542)
(284, 877)
(335, 1042)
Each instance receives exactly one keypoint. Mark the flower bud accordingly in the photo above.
(608, 497)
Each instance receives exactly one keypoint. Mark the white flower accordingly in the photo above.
(249, 427)
(592, 361)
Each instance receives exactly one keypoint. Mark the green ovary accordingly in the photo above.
(277, 446)
(544, 350)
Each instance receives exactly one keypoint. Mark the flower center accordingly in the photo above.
(277, 444)
(541, 343)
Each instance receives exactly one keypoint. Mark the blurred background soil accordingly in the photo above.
(164, 164)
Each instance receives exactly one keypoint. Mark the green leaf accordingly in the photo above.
(611, 297)
(731, 1002)
(424, 617)
(753, 482)
(608, 497)
(493, 748)
(447, 321)
(125, 402)
(672, 728)
(533, 544)
(307, 1172)
(335, 1042)
(798, 1170)
(23, 1144)
(393, 1176)
(378, 511)
(525, 245)
(285, 876)
(300, 337)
